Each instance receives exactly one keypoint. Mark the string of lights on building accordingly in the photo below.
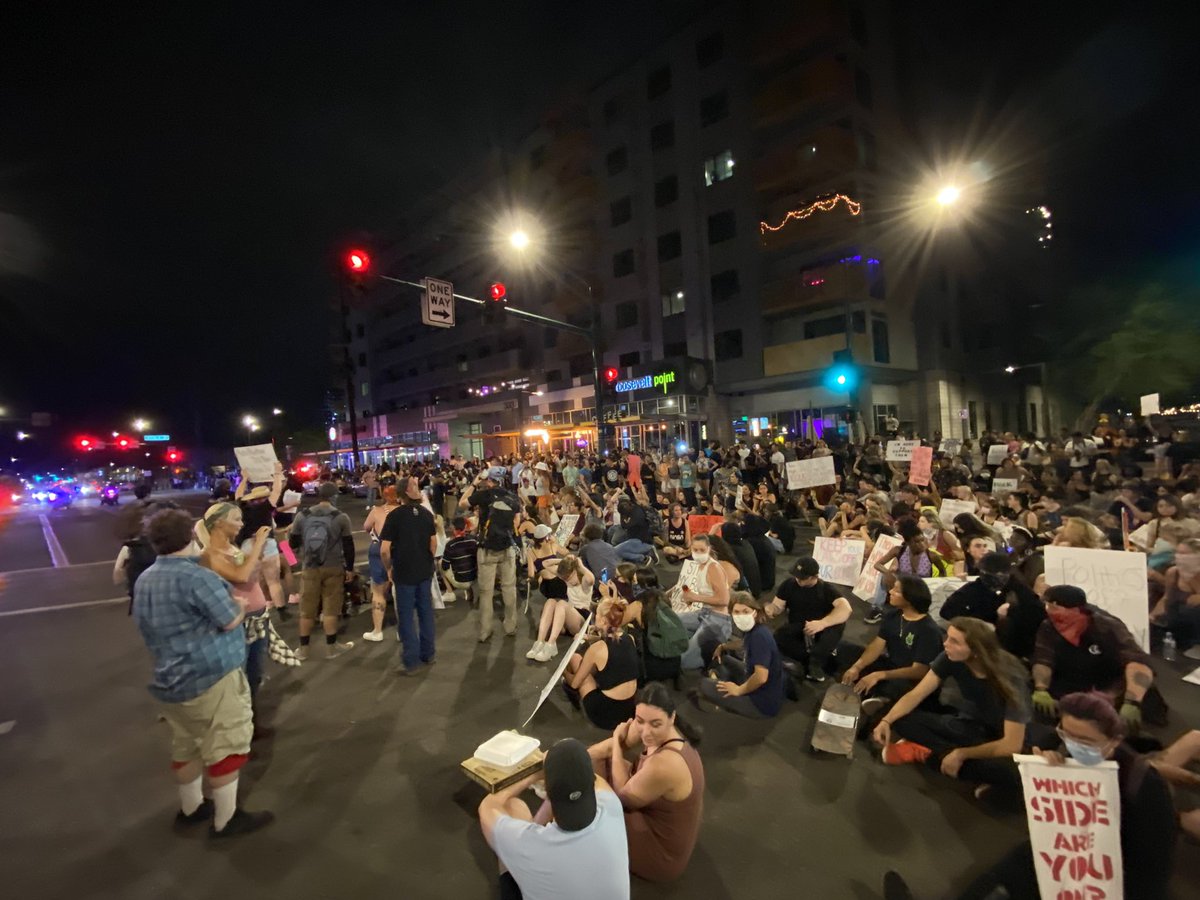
(1046, 230)
(517, 384)
(827, 204)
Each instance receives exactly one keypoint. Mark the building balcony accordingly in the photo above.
(818, 84)
(806, 160)
(814, 289)
(821, 23)
(813, 355)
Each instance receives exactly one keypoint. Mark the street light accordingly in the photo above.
(23, 435)
(948, 195)
(141, 426)
(277, 411)
(519, 239)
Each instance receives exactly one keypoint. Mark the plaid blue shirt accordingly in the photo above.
(181, 609)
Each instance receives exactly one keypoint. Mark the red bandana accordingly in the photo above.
(1071, 623)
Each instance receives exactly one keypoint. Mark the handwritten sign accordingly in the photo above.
(806, 473)
(257, 462)
(566, 528)
(952, 508)
(922, 465)
(1114, 581)
(867, 584)
(841, 559)
(1149, 404)
(996, 454)
(1004, 485)
(1074, 814)
(901, 451)
(941, 590)
(950, 446)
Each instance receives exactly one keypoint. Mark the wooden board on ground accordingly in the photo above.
(837, 721)
(494, 778)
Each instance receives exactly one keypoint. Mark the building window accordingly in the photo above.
(362, 359)
(627, 314)
(537, 156)
(724, 285)
(669, 246)
(666, 191)
(881, 412)
(622, 263)
(632, 358)
(713, 109)
(672, 303)
(365, 388)
(831, 325)
(621, 211)
(658, 83)
(675, 348)
(728, 344)
(617, 161)
(718, 168)
(662, 135)
(359, 330)
(721, 227)
(862, 87)
(879, 341)
(709, 49)
(580, 365)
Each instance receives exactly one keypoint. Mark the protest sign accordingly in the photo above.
(566, 528)
(867, 583)
(901, 451)
(922, 465)
(951, 508)
(1074, 814)
(1149, 404)
(996, 454)
(840, 559)
(941, 590)
(257, 462)
(950, 446)
(1004, 485)
(806, 473)
(1114, 581)
(556, 677)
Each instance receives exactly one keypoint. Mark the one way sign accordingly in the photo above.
(437, 306)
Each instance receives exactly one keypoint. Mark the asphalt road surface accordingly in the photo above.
(364, 777)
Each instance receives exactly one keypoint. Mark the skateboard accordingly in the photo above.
(837, 721)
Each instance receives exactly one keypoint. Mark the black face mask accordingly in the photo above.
(993, 582)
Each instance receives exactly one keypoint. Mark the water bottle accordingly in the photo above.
(1168, 647)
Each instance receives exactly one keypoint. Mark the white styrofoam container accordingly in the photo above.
(506, 749)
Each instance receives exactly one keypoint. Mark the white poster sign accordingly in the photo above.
(566, 528)
(258, 462)
(901, 451)
(807, 473)
(841, 559)
(868, 579)
(996, 454)
(1004, 485)
(1114, 581)
(951, 508)
(950, 446)
(1074, 814)
(1150, 404)
(556, 677)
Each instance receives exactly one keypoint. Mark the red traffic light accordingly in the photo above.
(85, 443)
(611, 375)
(498, 291)
(358, 261)
(174, 456)
(124, 443)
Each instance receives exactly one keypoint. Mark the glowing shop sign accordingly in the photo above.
(646, 381)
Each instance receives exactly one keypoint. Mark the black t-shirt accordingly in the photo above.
(974, 599)
(635, 524)
(409, 529)
(981, 702)
(908, 641)
(805, 604)
(484, 500)
(255, 515)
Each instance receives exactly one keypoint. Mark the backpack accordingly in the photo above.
(141, 557)
(666, 637)
(500, 531)
(655, 520)
(318, 538)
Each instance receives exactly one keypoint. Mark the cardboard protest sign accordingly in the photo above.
(1150, 405)
(566, 528)
(1074, 814)
(1114, 580)
(922, 466)
(901, 451)
(806, 473)
(951, 508)
(950, 446)
(996, 454)
(840, 559)
(1004, 485)
(867, 583)
(257, 462)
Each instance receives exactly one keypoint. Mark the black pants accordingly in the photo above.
(794, 643)
(509, 889)
(1014, 872)
(943, 732)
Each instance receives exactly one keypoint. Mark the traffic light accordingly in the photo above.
(124, 443)
(843, 374)
(496, 303)
(356, 265)
(83, 442)
(173, 455)
(608, 378)
(611, 375)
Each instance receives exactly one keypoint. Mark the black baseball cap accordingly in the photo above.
(571, 785)
(806, 567)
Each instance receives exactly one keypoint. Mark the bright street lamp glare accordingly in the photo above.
(1010, 369)
(519, 240)
(948, 195)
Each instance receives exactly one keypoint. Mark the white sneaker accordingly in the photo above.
(373, 636)
(534, 650)
(553, 650)
(543, 654)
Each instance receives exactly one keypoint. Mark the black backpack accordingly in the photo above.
(318, 539)
(141, 557)
(499, 533)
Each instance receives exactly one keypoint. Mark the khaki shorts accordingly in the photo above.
(322, 590)
(214, 725)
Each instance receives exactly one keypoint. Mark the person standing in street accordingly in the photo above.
(499, 516)
(315, 534)
(407, 545)
(191, 625)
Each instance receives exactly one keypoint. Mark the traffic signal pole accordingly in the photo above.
(347, 364)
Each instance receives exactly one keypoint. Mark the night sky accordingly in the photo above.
(172, 183)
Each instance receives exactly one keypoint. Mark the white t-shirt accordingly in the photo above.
(549, 863)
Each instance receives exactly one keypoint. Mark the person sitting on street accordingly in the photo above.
(817, 616)
(574, 846)
(602, 681)
(900, 655)
(459, 559)
(660, 634)
(913, 557)
(1083, 648)
(566, 584)
(662, 790)
(678, 544)
(703, 602)
(597, 553)
(752, 685)
(1179, 608)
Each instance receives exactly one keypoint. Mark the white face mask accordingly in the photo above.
(700, 556)
(744, 622)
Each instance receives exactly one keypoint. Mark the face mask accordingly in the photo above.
(994, 582)
(744, 622)
(1084, 753)
(700, 557)
(930, 535)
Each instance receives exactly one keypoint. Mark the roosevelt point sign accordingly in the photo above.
(646, 381)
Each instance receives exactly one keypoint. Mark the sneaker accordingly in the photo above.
(551, 650)
(874, 617)
(815, 673)
(534, 650)
(242, 822)
(333, 651)
(903, 752)
(546, 653)
(373, 636)
(302, 652)
(872, 705)
(202, 814)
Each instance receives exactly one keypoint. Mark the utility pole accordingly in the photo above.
(348, 366)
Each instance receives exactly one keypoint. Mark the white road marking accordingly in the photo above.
(42, 609)
(57, 556)
(103, 562)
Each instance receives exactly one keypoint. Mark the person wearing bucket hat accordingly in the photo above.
(576, 844)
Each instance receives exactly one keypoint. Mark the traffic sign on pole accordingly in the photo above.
(156, 437)
(437, 305)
